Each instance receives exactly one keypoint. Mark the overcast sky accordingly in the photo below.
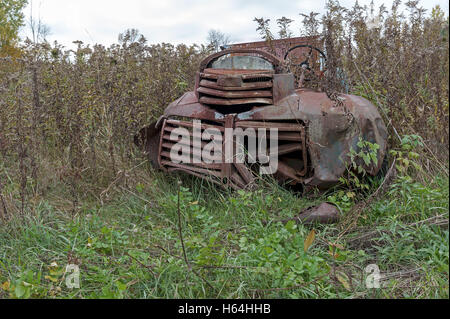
(173, 21)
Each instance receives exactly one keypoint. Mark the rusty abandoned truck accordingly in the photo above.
(252, 88)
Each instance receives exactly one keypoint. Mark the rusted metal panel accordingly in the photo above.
(246, 74)
(277, 62)
(234, 94)
(234, 87)
(294, 127)
(279, 47)
(243, 87)
(216, 101)
(283, 85)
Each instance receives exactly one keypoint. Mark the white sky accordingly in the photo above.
(174, 21)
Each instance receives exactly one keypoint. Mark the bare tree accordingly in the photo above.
(39, 30)
(217, 39)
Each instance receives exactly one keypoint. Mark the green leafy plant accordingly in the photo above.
(407, 154)
(361, 159)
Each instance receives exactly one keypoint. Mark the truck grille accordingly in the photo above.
(292, 154)
(235, 87)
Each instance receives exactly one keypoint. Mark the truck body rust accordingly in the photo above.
(251, 88)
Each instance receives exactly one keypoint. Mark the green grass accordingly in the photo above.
(129, 246)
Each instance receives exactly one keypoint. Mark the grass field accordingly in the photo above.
(127, 243)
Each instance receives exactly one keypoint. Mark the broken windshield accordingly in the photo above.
(242, 62)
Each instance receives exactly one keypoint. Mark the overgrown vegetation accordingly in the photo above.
(74, 190)
(130, 246)
(399, 60)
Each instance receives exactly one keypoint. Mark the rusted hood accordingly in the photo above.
(333, 128)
